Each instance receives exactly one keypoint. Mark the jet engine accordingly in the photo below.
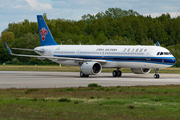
(91, 68)
(140, 70)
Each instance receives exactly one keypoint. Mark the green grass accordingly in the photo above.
(92, 103)
(72, 69)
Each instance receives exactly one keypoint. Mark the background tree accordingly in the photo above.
(111, 27)
(7, 37)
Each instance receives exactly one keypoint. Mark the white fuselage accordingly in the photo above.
(116, 56)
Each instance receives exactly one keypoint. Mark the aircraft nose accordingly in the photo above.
(173, 60)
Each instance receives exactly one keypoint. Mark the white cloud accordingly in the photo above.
(17, 10)
(174, 14)
(35, 5)
(18, 6)
(96, 8)
(152, 14)
(3, 25)
(77, 18)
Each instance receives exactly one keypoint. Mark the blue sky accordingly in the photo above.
(18, 10)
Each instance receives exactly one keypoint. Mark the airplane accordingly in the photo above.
(92, 58)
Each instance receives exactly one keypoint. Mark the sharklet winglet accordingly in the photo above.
(158, 44)
(9, 50)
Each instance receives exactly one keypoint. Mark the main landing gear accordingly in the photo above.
(83, 75)
(117, 73)
(156, 75)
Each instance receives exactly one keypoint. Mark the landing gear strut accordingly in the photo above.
(83, 75)
(156, 75)
(117, 73)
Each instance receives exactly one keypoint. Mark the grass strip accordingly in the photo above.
(136, 102)
(72, 69)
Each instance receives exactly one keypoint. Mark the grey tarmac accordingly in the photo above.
(29, 79)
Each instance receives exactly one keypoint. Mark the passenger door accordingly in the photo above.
(148, 54)
(77, 53)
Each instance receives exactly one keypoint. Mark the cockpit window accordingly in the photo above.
(166, 53)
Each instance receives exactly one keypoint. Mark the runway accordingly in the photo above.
(28, 79)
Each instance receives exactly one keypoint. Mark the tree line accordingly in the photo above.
(112, 27)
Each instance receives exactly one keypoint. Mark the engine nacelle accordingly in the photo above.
(140, 70)
(91, 68)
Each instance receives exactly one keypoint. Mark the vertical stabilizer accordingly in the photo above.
(44, 33)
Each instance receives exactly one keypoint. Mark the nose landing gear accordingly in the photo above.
(156, 75)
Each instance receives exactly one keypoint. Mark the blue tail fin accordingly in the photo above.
(44, 33)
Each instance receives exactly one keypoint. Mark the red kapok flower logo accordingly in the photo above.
(43, 33)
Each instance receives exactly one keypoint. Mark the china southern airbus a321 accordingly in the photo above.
(92, 58)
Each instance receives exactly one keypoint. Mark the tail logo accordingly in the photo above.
(43, 33)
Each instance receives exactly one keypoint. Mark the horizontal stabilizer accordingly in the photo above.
(28, 49)
(51, 57)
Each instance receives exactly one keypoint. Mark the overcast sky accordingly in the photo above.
(18, 10)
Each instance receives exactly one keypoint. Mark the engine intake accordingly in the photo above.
(91, 68)
(140, 70)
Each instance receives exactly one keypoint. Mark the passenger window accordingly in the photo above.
(128, 50)
(158, 53)
(137, 50)
(140, 50)
(125, 49)
(161, 53)
(132, 50)
(145, 50)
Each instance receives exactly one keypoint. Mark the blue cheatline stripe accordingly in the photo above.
(144, 62)
(125, 57)
(158, 60)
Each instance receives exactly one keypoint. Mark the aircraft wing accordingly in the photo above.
(52, 57)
